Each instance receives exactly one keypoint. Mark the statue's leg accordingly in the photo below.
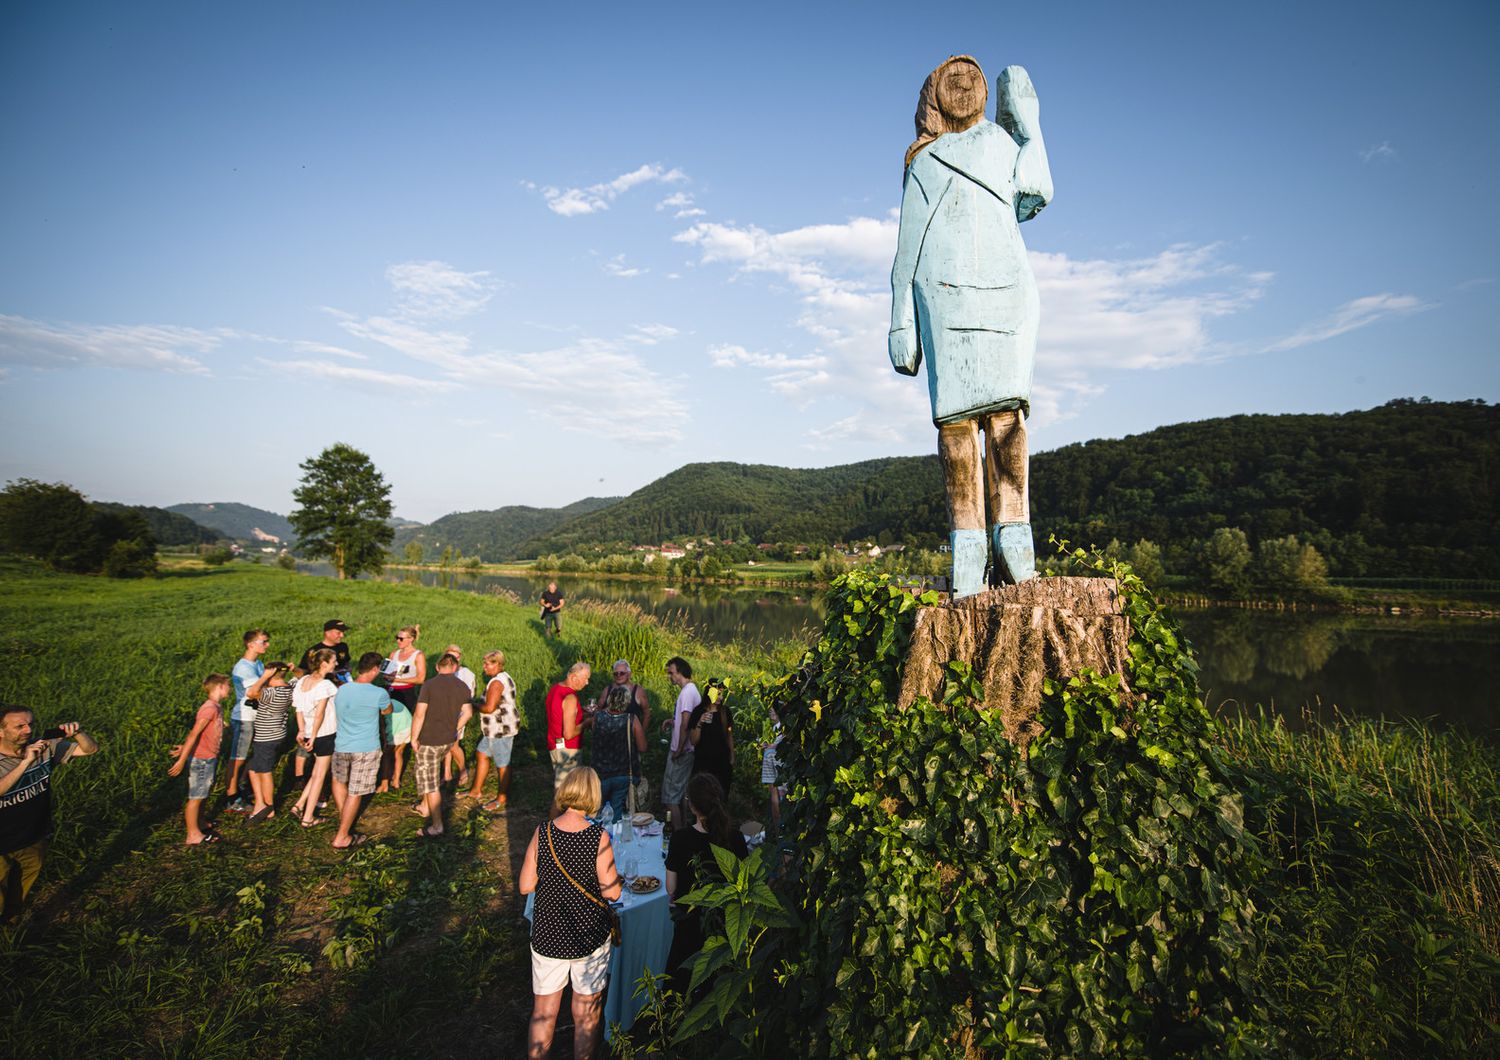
(958, 445)
(1006, 468)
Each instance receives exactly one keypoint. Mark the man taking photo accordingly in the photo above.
(26, 768)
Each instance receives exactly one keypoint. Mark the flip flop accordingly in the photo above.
(425, 834)
(496, 807)
(315, 822)
(208, 837)
(358, 839)
(418, 809)
(261, 816)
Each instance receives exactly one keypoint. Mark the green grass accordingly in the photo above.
(1382, 935)
(1382, 930)
(228, 950)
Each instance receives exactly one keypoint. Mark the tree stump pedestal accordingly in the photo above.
(1016, 637)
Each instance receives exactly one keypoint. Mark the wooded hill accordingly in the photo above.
(167, 527)
(237, 521)
(1408, 489)
(894, 497)
(492, 535)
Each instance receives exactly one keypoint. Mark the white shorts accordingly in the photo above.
(589, 974)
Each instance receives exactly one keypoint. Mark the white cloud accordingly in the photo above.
(682, 205)
(149, 347)
(1381, 152)
(437, 290)
(651, 334)
(616, 266)
(588, 373)
(1359, 313)
(575, 202)
(323, 349)
(410, 385)
(796, 378)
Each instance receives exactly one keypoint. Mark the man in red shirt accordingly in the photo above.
(564, 721)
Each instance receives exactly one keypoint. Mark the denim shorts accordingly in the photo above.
(497, 747)
(241, 736)
(201, 777)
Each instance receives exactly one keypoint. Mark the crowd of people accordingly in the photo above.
(353, 726)
(350, 724)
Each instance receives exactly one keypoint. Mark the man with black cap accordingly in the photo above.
(333, 640)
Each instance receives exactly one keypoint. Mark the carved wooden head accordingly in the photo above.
(952, 100)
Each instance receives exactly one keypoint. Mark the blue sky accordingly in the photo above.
(527, 256)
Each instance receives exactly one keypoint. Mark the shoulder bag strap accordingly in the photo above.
(556, 861)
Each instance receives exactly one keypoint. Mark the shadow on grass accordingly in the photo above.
(388, 1007)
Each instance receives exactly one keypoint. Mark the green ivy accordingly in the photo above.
(1089, 894)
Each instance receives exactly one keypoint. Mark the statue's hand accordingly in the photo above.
(1017, 109)
(906, 354)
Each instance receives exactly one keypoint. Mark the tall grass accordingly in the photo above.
(1384, 894)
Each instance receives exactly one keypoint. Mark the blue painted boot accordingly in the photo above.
(1015, 559)
(971, 552)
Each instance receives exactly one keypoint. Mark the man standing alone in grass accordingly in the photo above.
(356, 744)
(249, 676)
(552, 605)
(26, 768)
(442, 709)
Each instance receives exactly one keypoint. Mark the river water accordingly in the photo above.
(1394, 667)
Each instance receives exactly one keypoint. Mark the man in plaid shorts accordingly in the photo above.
(443, 706)
(356, 745)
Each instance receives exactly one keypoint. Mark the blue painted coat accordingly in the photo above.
(962, 290)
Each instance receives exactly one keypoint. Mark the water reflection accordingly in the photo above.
(1367, 665)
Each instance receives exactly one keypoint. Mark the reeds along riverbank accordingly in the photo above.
(1383, 898)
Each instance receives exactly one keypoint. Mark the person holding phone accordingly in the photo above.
(26, 768)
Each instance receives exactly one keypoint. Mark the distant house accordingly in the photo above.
(672, 552)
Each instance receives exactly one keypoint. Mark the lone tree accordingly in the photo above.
(344, 511)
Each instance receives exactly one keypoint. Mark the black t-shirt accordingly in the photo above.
(551, 601)
(683, 856)
(712, 753)
(26, 809)
(340, 652)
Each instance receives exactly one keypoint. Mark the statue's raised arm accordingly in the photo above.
(1018, 112)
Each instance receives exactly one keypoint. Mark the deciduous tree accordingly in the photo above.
(344, 510)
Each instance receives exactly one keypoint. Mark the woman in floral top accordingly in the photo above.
(499, 721)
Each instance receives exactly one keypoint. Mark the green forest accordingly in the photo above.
(496, 534)
(1404, 490)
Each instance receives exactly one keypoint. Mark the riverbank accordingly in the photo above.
(1337, 599)
(271, 943)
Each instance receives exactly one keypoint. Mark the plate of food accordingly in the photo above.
(644, 884)
(643, 820)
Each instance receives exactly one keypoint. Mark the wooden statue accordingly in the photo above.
(963, 296)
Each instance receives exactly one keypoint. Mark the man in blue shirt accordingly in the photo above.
(358, 706)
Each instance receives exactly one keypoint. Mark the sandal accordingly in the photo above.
(423, 833)
(497, 807)
(315, 822)
(419, 809)
(208, 837)
(261, 816)
(358, 839)
(463, 777)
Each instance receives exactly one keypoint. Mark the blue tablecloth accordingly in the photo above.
(645, 932)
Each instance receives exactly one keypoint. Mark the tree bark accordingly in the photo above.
(1016, 637)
